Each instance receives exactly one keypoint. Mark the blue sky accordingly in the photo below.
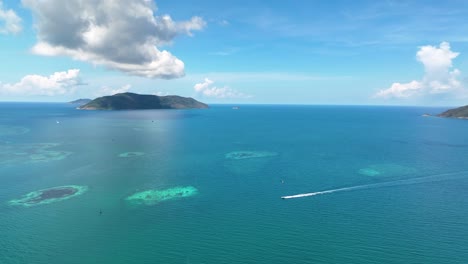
(295, 52)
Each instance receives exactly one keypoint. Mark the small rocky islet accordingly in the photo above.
(50, 195)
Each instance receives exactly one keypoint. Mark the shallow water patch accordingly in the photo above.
(6, 130)
(386, 170)
(238, 155)
(31, 153)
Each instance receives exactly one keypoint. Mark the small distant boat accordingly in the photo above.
(235, 108)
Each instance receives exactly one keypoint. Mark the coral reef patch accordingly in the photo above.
(131, 154)
(237, 155)
(155, 196)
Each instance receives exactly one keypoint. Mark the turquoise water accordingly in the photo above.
(234, 213)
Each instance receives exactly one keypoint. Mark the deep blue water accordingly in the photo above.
(237, 215)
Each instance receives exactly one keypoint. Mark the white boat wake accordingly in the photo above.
(425, 179)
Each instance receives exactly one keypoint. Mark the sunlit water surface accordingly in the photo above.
(208, 185)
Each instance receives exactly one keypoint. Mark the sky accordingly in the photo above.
(237, 52)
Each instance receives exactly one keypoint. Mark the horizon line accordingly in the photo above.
(266, 104)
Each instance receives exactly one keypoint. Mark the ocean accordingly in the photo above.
(205, 186)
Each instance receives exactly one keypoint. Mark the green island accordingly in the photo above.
(460, 112)
(133, 101)
(50, 195)
(155, 196)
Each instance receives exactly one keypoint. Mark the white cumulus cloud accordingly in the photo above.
(10, 22)
(199, 87)
(402, 90)
(207, 88)
(56, 84)
(123, 35)
(439, 76)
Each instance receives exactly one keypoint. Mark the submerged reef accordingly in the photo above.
(50, 195)
(237, 155)
(152, 197)
(386, 170)
(32, 153)
(369, 172)
(6, 130)
(131, 154)
(247, 162)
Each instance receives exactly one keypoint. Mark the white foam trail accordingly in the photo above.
(432, 178)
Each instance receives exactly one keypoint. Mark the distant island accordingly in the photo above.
(460, 112)
(132, 101)
(81, 101)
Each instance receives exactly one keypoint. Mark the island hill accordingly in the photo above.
(81, 101)
(460, 112)
(132, 101)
